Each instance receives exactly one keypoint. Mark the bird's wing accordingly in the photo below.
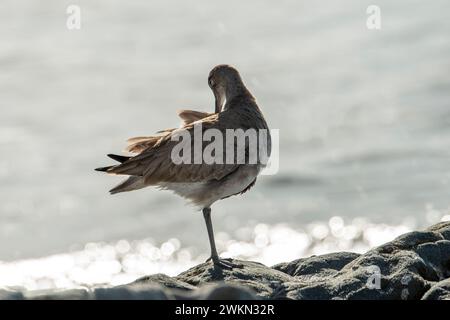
(139, 144)
(189, 116)
(155, 163)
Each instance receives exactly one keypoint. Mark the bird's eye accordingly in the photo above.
(211, 82)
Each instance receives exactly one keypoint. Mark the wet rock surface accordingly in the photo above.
(415, 265)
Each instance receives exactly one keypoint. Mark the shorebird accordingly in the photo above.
(201, 184)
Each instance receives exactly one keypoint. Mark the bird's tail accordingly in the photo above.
(130, 184)
(104, 169)
(116, 157)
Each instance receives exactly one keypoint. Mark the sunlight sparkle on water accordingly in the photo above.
(125, 261)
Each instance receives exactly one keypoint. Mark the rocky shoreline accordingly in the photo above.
(414, 266)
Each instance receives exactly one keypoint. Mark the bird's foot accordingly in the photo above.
(223, 263)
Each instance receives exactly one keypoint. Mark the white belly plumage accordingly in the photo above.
(204, 194)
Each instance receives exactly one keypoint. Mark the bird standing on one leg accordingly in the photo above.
(200, 183)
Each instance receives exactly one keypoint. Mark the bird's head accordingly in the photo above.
(225, 82)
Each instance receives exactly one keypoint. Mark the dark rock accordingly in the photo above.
(71, 294)
(132, 292)
(439, 291)
(326, 264)
(256, 276)
(165, 281)
(10, 295)
(404, 268)
(413, 266)
(221, 291)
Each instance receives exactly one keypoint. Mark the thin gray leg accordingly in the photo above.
(209, 227)
(214, 256)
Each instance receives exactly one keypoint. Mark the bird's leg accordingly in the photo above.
(214, 256)
(209, 227)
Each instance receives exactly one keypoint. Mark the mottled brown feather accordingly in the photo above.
(154, 163)
(189, 116)
(138, 144)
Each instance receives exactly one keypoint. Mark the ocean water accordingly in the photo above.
(364, 119)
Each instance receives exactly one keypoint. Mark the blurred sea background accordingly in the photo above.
(364, 119)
